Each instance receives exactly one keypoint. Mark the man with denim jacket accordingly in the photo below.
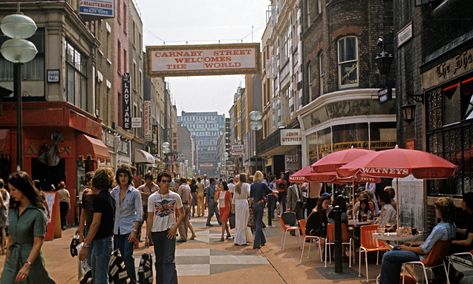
(128, 216)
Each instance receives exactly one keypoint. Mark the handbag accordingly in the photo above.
(117, 272)
(145, 270)
(251, 217)
(231, 220)
(73, 246)
(249, 235)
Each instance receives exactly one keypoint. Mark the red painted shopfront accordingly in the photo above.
(52, 127)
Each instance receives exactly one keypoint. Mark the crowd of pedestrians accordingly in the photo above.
(113, 211)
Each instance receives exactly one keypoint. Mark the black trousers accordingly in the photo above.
(63, 208)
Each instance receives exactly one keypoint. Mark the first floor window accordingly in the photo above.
(76, 79)
(348, 62)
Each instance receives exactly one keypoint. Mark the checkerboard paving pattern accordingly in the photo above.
(191, 262)
(206, 261)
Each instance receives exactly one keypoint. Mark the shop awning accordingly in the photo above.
(4, 141)
(143, 157)
(89, 146)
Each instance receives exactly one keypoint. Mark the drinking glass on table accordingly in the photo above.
(381, 229)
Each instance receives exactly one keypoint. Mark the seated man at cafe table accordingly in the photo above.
(445, 230)
(464, 239)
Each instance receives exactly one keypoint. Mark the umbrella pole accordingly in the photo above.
(397, 203)
(353, 200)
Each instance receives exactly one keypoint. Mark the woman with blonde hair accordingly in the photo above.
(241, 209)
(259, 191)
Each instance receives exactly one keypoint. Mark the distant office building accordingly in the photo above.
(205, 128)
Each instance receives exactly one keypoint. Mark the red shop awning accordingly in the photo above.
(89, 146)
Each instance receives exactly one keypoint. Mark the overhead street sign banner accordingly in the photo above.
(200, 60)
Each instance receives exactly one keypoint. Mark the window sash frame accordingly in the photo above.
(341, 63)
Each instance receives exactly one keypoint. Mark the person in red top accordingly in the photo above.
(282, 187)
(224, 198)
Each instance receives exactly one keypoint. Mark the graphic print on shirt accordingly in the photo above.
(164, 207)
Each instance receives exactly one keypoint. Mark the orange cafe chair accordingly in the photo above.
(302, 225)
(434, 259)
(368, 243)
(331, 241)
(287, 228)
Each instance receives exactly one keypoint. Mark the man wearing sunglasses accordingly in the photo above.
(163, 207)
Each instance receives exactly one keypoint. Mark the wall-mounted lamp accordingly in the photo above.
(408, 112)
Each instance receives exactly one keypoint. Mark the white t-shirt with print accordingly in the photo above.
(163, 206)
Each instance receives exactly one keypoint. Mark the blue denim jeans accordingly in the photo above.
(213, 209)
(164, 250)
(271, 207)
(100, 256)
(126, 249)
(282, 201)
(259, 235)
(89, 254)
(391, 265)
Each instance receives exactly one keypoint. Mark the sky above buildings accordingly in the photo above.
(203, 22)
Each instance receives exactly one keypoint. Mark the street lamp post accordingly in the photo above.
(18, 50)
(255, 124)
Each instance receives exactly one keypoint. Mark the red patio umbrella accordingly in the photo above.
(334, 160)
(300, 175)
(306, 174)
(398, 163)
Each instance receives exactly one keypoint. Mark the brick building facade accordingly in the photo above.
(340, 77)
(434, 41)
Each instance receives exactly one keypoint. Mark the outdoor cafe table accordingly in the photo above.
(355, 223)
(394, 237)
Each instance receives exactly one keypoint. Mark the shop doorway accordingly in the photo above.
(47, 175)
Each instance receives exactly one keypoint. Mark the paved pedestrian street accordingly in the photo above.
(208, 260)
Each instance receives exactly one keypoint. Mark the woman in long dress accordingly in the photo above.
(27, 227)
(224, 198)
(240, 204)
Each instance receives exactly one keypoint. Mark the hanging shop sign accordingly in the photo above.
(136, 122)
(385, 95)
(126, 102)
(53, 76)
(147, 127)
(198, 60)
(237, 150)
(97, 8)
(291, 137)
(404, 35)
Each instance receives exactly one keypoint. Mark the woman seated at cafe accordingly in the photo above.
(364, 213)
(392, 194)
(388, 213)
(339, 201)
(363, 196)
(445, 230)
(317, 220)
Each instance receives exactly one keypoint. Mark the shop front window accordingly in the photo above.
(450, 134)
(312, 147)
(324, 143)
(347, 135)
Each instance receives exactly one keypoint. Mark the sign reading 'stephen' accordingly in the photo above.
(198, 60)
